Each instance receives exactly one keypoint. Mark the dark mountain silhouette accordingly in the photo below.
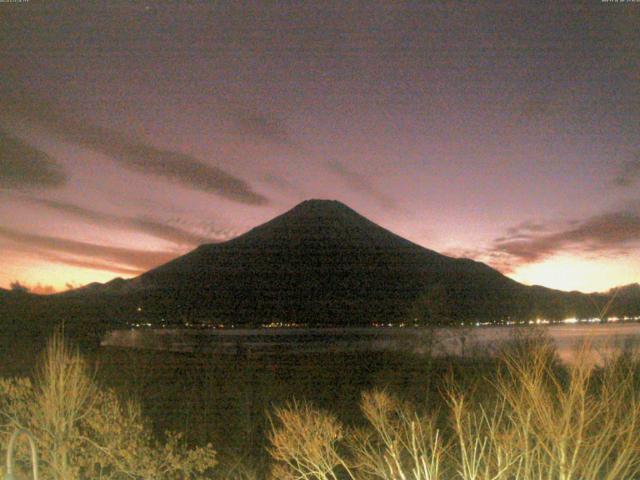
(16, 293)
(631, 290)
(321, 263)
(626, 300)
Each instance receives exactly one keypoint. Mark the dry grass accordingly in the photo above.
(400, 444)
(84, 432)
(306, 444)
(541, 422)
(533, 420)
(582, 425)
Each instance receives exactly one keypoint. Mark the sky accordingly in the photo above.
(506, 132)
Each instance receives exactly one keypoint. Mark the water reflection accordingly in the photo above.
(604, 339)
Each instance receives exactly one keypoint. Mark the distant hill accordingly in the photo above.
(322, 263)
(626, 299)
(631, 290)
(14, 294)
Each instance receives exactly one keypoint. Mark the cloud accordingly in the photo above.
(114, 257)
(360, 183)
(22, 166)
(181, 168)
(523, 231)
(131, 153)
(498, 260)
(90, 264)
(527, 228)
(629, 172)
(212, 229)
(259, 126)
(611, 233)
(282, 184)
(143, 225)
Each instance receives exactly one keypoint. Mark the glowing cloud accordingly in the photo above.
(138, 259)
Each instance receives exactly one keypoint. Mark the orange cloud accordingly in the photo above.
(133, 260)
(612, 232)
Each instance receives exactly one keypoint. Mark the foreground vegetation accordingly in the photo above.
(82, 431)
(391, 417)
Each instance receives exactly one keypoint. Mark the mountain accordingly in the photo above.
(15, 294)
(625, 300)
(117, 285)
(630, 291)
(322, 263)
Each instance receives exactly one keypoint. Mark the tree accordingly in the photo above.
(17, 287)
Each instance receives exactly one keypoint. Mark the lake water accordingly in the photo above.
(605, 339)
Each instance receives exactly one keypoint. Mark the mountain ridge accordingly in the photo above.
(321, 263)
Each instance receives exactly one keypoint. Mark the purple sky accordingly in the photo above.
(131, 132)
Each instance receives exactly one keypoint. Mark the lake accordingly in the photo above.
(604, 338)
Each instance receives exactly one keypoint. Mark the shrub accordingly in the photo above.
(83, 431)
(541, 422)
(306, 443)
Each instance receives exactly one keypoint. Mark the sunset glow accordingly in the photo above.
(131, 134)
(565, 272)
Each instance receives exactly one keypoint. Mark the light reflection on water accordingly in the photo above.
(604, 339)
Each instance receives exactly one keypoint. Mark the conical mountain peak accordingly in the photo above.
(321, 205)
(322, 263)
(324, 211)
(321, 221)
